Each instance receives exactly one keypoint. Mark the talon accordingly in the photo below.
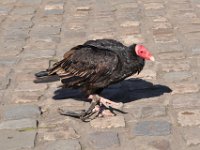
(71, 113)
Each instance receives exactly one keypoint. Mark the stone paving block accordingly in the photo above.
(19, 124)
(138, 112)
(32, 64)
(53, 20)
(59, 135)
(191, 136)
(152, 128)
(162, 28)
(18, 24)
(22, 76)
(15, 140)
(153, 6)
(185, 101)
(172, 55)
(184, 87)
(23, 11)
(176, 76)
(145, 143)
(130, 27)
(192, 36)
(109, 122)
(29, 2)
(45, 38)
(154, 12)
(177, 66)
(83, 8)
(16, 34)
(196, 51)
(130, 39)
(8, 2)
(189, 117)
(30, 86)
(169, 48)
(20, 111)
(160, 19)
(131, 5)
(4, 10)
(38, 54)
(165, 38)
(161, 144)
(54, 8)
(130, 24)
(45, 30)
(153, 111)
(102, 140)
(60, 145)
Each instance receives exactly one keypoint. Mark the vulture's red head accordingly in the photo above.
(142, 52)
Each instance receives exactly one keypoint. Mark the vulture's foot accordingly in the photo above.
(76, 114)
(85, 115)
(100, 107)
(106, 102)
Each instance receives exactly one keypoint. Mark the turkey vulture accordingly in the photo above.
(95, 65)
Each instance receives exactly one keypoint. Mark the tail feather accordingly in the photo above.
(42, 74)
(44, 77)
(49, 75)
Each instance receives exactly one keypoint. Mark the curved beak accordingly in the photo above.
(152, 58)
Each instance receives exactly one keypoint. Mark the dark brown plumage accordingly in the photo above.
(97, 64)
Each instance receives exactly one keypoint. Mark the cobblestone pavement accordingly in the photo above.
(34, 31)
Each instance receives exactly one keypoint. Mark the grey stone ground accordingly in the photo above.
(34, 31)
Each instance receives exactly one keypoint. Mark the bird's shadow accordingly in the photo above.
(125, 91)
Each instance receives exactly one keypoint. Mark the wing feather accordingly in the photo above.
(86, 64)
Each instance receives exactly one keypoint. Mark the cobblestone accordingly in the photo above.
(174, 55)
(152, 128)
(29, 2)
(177, 66)
(102, 140)
(165, 38)
(111, 122)
(130, 38)
(191, 136)
(19, 124)
(160, 144)
(61, 145)
(189, 117)
(17, 140)
(23, 11)
(184, 87)
(30, 86)
(186, 101)
(54, 8)
(176, 76)
(155, 111)
(153, 6)
(21, 111)
(59, 135)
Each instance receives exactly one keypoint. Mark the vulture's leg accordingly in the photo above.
(106, 106)
(106, 102)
